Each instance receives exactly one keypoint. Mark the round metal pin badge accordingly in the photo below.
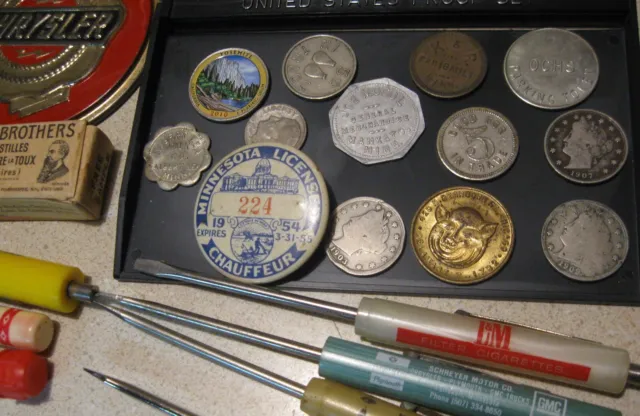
(69, 59)
(228, 84)
(261, 213)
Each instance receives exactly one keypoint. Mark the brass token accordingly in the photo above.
(448, 65)
(462, 235)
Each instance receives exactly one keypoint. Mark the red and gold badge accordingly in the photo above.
(63, 59)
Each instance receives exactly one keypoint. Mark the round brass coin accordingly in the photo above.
(462, 235)
(448, 65)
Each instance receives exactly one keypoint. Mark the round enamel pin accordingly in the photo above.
(261, 213)
(228, 84)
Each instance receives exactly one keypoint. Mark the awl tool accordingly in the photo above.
(139, 394)
(485, 342)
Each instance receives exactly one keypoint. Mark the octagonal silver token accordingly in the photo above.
(376, 121)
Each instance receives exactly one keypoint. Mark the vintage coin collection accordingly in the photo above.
(487, 158)
(263, 209)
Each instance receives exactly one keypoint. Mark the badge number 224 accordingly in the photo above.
(255, 205)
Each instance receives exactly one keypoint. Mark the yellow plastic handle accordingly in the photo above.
(328, 398)
(38, 282)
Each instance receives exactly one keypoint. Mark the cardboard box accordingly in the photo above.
(53, 171)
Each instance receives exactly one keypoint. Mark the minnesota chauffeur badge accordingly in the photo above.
(261, 213)
(63, 59)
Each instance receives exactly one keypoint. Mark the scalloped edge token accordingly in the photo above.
(177, 155)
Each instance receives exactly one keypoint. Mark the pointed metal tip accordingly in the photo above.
(97, 375)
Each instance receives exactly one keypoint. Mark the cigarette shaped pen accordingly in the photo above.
(61, 288)
(464, 338)
(431, 383)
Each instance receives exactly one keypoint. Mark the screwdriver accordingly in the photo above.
(427, 383)
(319, 398)
(62, 288)
(432, 383)
(490, 343)
(47, 284)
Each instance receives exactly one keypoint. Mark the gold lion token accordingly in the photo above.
(462, 235)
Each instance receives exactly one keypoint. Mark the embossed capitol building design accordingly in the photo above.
(261, 181)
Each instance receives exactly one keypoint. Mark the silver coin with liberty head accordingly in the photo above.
(319, 67)
(478, 144)
(585, 240)
(376, 121)
(367, 236)
(552, 69)
(276, 123)
(586, 146)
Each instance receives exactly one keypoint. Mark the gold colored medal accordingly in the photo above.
(462, 235)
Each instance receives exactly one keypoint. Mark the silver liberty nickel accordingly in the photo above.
(276, 123)
(367, 236)
(376, 121)
(176, 156)
(477, 144)
(585, 240)
(319, 67)
(552, 68)
(586, 146)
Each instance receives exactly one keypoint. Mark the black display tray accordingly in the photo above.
(159, 225)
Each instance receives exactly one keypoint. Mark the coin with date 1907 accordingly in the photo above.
(586, 146)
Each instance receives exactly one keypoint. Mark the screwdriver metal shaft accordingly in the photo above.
(218, 357)
(501, 345)
(319, 398)
(379, 371)
(262, 294)
(240, 333)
